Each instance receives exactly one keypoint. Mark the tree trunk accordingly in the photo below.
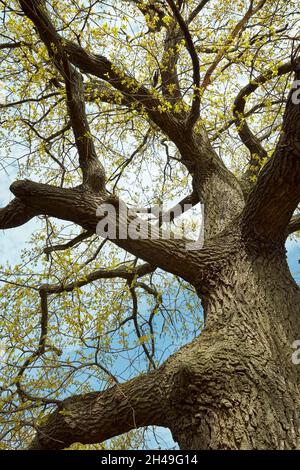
(239, 388)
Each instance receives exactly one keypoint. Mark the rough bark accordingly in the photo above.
(244, 389)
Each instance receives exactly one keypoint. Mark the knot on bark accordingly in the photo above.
(183, 380)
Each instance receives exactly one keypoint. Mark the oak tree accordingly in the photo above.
(143, 103)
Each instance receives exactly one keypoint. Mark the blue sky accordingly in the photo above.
(293, 249)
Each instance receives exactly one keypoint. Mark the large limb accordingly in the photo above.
(98, 416)
(149, 399)
(156, 398)
(217, 188)
(258, 154)
(92, 170)
(79, 205)
(276, 195)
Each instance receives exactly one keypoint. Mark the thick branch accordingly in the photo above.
(93, 172)
(133, 91)
(194, 114)
(98, 416)
(258, 153)
(197, 10)
(276, 194)
(294, 225)
(79, 205)
(98, 90)
(15, 214)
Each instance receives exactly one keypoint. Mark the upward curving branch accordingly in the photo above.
(258, 154)
(92, 170)
(194, 113)
(276, 195)
(233, 34)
